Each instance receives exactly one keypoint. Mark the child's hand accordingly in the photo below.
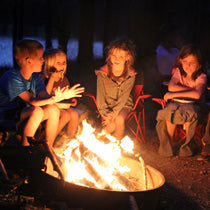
(56, 74)
(107, 118)
(109, 115)
(58, 94)
(73, 92)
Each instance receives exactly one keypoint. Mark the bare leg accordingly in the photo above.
(64, 119)
(51, 115)
(35, 116)
(171, 129)
(120, 123)
(109, 128)
(71, 117)
(73, 123)
(187, 127)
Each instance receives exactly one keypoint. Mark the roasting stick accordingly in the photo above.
(49, 152)
(3, 171)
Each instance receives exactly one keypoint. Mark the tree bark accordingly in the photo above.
(18, 15)
(48, 26)
(86, 31)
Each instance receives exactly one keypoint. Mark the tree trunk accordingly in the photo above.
(48, 26)
(107, 23)
(18, 15)
(86, 31)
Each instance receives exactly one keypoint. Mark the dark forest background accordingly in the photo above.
(104, 20)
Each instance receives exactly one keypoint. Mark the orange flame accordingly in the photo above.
(91, 162)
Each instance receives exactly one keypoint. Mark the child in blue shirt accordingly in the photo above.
(23, 95)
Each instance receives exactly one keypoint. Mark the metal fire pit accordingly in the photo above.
(76, 196)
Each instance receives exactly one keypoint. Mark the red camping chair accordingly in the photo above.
(180, 133)
(137, 113)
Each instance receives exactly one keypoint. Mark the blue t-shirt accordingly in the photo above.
(12, 84)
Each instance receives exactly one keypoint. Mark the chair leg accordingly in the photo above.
(130, 128)
(144, 127)
(180, 135)
(142, 122)
(3, 171)
(139, 129)
(135, 133)
(139, 133)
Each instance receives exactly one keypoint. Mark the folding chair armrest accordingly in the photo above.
(88, 94)
(161, 101)
(91, 96)
(140, 98)
(143, 96)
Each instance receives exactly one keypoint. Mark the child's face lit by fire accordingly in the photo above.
(190, 64)
(36, 61)
(118, 59)
(59, 66)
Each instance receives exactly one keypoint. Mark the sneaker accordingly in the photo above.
(204, 156)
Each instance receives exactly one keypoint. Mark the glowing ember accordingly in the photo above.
(98, 160)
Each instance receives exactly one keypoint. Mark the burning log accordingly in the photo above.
(92, 162)
(82, 150)
(96, 176)
(92, 165)
(84, 153)
(130, 183)
(144, 173)
(75, 156)
(87, 182)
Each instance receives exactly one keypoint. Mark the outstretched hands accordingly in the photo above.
(67, 93)
(73, 92)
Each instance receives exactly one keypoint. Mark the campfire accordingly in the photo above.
(102, 162)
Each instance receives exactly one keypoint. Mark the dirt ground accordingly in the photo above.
(187, 183)
(187, 180)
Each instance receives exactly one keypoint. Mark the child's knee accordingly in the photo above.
(120, 120)
(74, 115)
(37, 111)
(53, 110)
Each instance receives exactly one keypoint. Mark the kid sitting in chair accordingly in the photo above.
(25, 86)
(115, 81)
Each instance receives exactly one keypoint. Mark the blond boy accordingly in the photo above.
(25, 86)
